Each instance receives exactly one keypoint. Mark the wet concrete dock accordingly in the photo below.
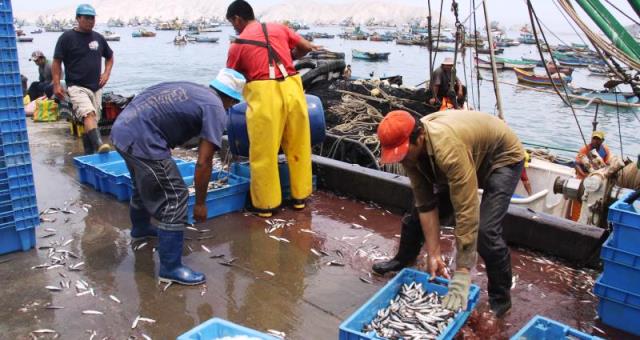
(306, 299)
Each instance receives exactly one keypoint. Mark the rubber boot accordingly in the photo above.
(88, 146)
(141, 226)
(411, 241)
(299, 204)
(96, 141)
(499, 289)
(170, 253)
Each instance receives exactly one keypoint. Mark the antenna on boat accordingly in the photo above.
(492, 55)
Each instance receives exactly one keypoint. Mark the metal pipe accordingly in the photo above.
(494, 70)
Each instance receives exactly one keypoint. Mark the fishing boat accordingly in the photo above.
(180, 39)
(488, 51)
(164, 26)
(598, 70)
(485, 64)
(445, 48)
(538, 62)
(25, 39)
(605, 97)
(527, 38)
(111, 36)
(535, 79)
(38, 31)
(142, 33)
(371, 56)
(381, 37)
(516, 63)
(202, 39)
(322, 35)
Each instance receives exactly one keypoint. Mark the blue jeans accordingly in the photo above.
(493, 249)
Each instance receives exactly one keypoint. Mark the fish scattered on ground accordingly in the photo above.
(365, 280)
(307, 231)
(53, 307)
(335, 263)
(205, 248)
(216, 256)
(277, 333)
(53, 288)
(269, 273)
(92, 312)
(114, 298)
(412, 314)
(315, 252)
(140, 246)
(356, 226)
(363, 218)
(192, 228)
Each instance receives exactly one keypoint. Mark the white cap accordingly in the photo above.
(229, 82)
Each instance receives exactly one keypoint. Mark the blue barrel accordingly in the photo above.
(237, 128)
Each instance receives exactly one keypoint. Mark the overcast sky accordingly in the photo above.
(507, 12)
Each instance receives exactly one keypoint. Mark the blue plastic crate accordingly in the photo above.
(6, 218)
(621, 268)
(219, 328)
(116, 180)
(9, 53)
(19, 170)
(13, 103)
(5, 195)
(20, 213)
(15, 125)
(7, 30)
(14, 240)
(27, 223)
(6, 207)
(21, 191)
(10, 78)
(11, 113)
(14, 137)
(351, 329)
(20, 158)
(541, 328)
(10, 90)
(8, 66)
(20, 182)
(243, 170)
(86, 165)
(618, 308)
(223, 200)
(626, 226)
(6, 16)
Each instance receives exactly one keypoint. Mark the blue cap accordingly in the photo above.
(229, 82)
(85, 9)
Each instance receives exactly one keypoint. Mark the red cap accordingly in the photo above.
(394, 132)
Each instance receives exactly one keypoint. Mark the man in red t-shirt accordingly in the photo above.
(276, 106)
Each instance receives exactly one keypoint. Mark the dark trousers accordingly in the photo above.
(38, 89)
(493, 249)
(158, 191)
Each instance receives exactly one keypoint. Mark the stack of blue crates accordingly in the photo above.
(619, 285)
(18, 210)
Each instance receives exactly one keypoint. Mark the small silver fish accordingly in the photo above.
(307, 231)
(149, 320)
(92, 312)
(140, 246)
(114, 298)
(269, 273)
(205, 248)
(192, 228)
(356, 226)
(53, 288)
(67, 242)
(315, 252)
(44, 331)
(146, 337)
(363, 218)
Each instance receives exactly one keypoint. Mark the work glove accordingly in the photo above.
(458, 295)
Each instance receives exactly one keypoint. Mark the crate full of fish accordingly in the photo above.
(541, 328)
(408, 306)
(626, 225)
(219, 329)
(226, 193)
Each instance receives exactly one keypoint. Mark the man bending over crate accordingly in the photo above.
(81, 50)
(465, 150)
(158, 119)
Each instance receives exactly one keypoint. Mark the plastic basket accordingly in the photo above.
(541, 328)
(10, 78)
(621, 268)
(10, 90)
(14, 240)
(11, 103)
(8, 66)
(351, 329)
(218, 328)
(223, 200)
(626, 226)
(86, 166)
(618, 308)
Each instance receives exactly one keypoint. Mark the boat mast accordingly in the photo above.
(494, 70)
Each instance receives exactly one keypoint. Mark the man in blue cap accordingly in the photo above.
(158, 119)
(81, 50)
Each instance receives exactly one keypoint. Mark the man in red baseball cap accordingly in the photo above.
(464, 150)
